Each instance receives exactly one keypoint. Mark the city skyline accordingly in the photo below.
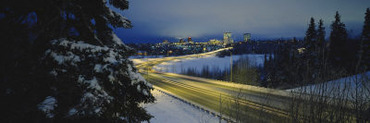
(155, 21)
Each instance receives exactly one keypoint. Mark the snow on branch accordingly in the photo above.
(96, 69)
(117, 20)
(47, 106)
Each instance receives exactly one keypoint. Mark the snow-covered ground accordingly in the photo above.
(212, 61)
(142, 57)
(347, 87)
(167, 109)
(142, 60)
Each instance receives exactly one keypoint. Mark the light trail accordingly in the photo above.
(253, 102)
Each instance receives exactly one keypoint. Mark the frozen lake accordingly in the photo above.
(212, 61)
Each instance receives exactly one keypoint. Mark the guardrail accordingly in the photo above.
(195, 105)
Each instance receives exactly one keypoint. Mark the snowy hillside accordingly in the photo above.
(350, 85)
(167, 109)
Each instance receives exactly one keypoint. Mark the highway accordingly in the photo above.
(237, 101)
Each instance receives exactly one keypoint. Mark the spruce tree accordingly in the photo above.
(310, 55)
(64, 63)
(338, 38)
(321, 34)
(365, 42)
(321, 47)
(310, 37)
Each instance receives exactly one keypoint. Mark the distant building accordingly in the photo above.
(189, 40)
(165, 42)
(181, 41)
(214, 42)
(246, 37)
(301, 50)
(227, 38)
(140, 52)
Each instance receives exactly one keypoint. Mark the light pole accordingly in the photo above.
(231, 66)
(147, 67)
(169, 52)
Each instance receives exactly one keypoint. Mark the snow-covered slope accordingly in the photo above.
(167, 109)
(348, 87)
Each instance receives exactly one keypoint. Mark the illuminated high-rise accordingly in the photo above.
(246, 37)
(181, 41)
(227, 38)
(190, 40)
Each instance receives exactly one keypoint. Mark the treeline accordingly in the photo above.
(241, 72)
(213, 72)
(172, 49)
(316, 59)
(259, 47)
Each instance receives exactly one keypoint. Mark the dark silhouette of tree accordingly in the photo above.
(311, 36)
(310, 57)
(365, 42)
(338, 37)
(321, 36)
(62, 62)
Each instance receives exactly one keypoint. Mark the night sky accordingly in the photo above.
(157, 20)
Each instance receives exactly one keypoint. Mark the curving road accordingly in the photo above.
(237, 101)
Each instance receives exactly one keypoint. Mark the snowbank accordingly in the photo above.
(143, 57)
(167, 109)
(346, 87)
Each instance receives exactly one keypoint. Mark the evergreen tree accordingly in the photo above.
(311, 36)
(64, 63)
(321, 34)
(310, 56)
(338, 38)
(321, 47)
(365, 42)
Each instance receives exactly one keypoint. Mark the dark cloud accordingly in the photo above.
(155, 20)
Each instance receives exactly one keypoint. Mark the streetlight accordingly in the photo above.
(231, 65)
(147, 67)
(169, 52)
